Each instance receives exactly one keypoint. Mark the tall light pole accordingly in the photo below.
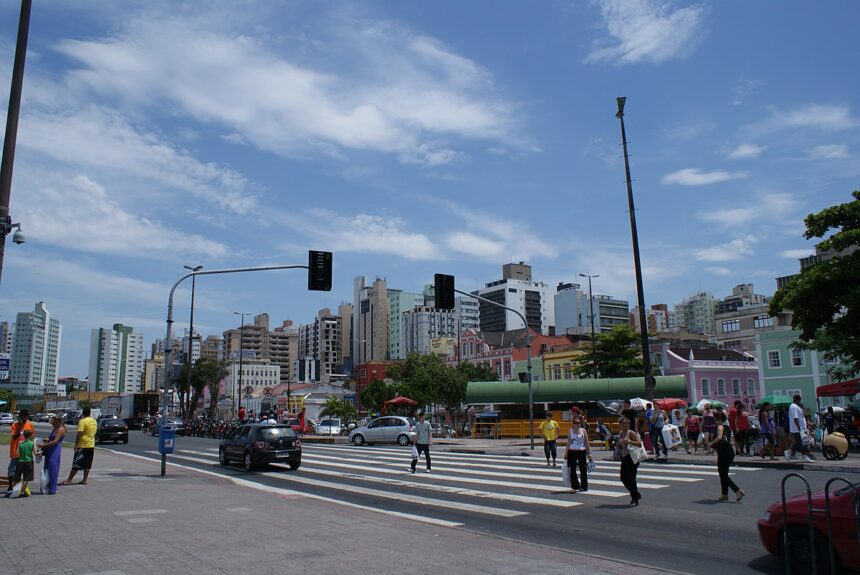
(188, 361)
(591, 307)
(241, 353)
(640, 292)
(11, 137)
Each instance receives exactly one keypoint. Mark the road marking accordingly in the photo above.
(442, 488)
(238, 509)
(140, 512)
(141, 519)
(290, 492)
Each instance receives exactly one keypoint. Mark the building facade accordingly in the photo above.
(784, 370)
(516, 290)
(116, 360)
(468, 312)
(399, 303)
(251, 376)
(422, 325)
(371, 319)
(696, 313)
(35, 353)
(212, 348)
(573, 311)
(658, 317)
(742, 315)
(319, 348)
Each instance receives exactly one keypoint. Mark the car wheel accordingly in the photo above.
(800, 551)
(403, 440)
(358, 439)
(222, 457)
(831, 452)
(295, 465)
(249, 463)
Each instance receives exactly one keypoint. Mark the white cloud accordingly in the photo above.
(766, 207)
(696, 177)
(822, 117)
(719, 271)
(829, 152)
(796, 254)
(473, 244)
(647, 30)
(733, 250)
(746, 151)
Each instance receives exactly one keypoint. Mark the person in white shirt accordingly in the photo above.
(799, 431)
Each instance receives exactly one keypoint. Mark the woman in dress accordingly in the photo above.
(626, 438)
(709, 426)
(722, 443)
(768, 431)
(52, 449)
(578, 449)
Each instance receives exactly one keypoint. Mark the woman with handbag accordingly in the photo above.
(725, 455)
(577, 454)
(628, 440)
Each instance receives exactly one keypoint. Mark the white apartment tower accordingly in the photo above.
(35, 353)
(516, 290)
(116, 360)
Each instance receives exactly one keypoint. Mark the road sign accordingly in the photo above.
(267, 392)
(5, 366)
(249, 390)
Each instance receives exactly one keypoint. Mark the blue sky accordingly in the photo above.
(411, 138)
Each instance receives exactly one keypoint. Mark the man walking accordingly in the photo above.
(799, 432)
(422, 441)
(658, 419)
(550, 430)
(16, 431)
(85, 444)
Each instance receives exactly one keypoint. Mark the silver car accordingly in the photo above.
(386, 429)
(329, 427)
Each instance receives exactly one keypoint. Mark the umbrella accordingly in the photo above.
(714, 403)
(400, 400)
(775, 400)
(836, 409)
(669, 403)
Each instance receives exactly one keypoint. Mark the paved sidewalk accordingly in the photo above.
(128, 520)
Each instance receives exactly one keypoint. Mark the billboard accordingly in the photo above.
(5, 367)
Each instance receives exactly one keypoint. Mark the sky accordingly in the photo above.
(411, 138)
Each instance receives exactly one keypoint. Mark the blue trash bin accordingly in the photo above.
(166, 440)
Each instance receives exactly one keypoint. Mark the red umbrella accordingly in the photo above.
(669, 403)
(400, 400)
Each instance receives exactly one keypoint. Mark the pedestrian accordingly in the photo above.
(742, 425)
(709, 426)
(16, 436)
(301, 419)
(550, 430)
(722, 443)
(733, 423)
(829, 420)
(767, 428)
(676, 416)
(605, 434)
(658, 420)
(85, 444)
(577, 454)
(52, 450)
(626, 438)
(692, 425)
(423, 438)
(630, 413)
(24, 464)
(799, 431)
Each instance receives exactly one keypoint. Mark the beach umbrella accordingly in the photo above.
(775, 400)
(669, 403)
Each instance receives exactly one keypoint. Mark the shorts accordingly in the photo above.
(23, 471)
(83, 458)
(693, 435)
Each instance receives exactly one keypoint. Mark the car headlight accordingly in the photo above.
(767, 516)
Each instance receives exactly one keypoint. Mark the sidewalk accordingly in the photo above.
(128, 520)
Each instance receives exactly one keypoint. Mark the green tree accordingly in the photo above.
(616, 353)
(339, 408)
(376, 393)
(419, 377)
(825, 297)
(9, 397)
(206, 373)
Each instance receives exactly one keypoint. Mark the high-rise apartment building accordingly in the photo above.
(422, 325)
(658, 316)
(280, 346)
(573, 311)
(319, 348)
(371, 319)
(517, 290)
(7, 336)
(212, 348)
(400, 302)
(468, 312)
(116, 360)
(153, 372)
(344, 312)
(696, 313)
(35, 353)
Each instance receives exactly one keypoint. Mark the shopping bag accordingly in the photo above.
(805, 437)
(16, 490)
(43, 481)
(671, 435)
(590, 466)
(414, 451)
(565, 474)
(637, 453)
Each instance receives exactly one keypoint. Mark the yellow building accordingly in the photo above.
(558, 365)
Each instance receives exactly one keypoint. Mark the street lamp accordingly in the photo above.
(241, 354)
(640, 292)
(591, 307)
(188, 361)
(358, 342)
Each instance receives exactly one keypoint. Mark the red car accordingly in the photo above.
(846, 536)
(308, 430)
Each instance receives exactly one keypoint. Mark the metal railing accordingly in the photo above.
(785, 540)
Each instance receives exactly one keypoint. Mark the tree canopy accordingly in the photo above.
(376, 393)
(616, 353)
(340, 408)
(9, 397)
(825, 297)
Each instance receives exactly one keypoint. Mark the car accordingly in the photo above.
(309, 428)
(111, 428)
(6, 418)
(44, 417)
(844, 511)
(329, 427)
(256, 444)
(385, 429)
(175, 423)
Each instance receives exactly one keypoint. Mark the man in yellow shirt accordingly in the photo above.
(550, 430)
(85, 444)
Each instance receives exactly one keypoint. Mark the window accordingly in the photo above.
(721, 386)
(706, 387)
(730, 325)
(761, 321)
(792, 392)
(773, 359)
(751, 387)
(736, 387)
(797, 358)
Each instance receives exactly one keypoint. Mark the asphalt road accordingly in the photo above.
(679, 525)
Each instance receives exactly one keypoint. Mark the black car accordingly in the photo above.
(175, 423)
(112, 428)
(260, 444)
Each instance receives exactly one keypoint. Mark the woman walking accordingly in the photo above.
(725, 455)
(693, 426)
(578, 449)
(709, 426)
(626, 438)
(52, 449)
(768, 431)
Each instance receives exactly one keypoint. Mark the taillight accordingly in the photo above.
(262, 445)
(298, 443)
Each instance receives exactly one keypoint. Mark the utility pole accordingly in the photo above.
(591, 307)
(640, 292)
(189, 363)
(241, 353)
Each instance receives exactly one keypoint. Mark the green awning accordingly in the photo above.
(572, 390)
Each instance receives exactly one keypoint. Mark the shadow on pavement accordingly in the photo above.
(616, 506)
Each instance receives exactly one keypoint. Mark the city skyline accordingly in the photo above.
(153, 137)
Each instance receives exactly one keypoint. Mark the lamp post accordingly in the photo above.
(188, 361)
(591, 307)
(528, 359)
(358, 343)
(640, 292)
(241, 353)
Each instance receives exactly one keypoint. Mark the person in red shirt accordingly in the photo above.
(733, 423)
(16, 430)
(744, 430)
(241, 415)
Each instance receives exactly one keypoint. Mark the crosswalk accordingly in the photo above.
(461, 484)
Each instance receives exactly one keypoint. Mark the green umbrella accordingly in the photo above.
(775, 400)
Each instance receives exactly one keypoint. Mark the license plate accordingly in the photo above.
(282, 454)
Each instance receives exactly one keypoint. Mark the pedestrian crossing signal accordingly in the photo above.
(319, 271)
(444, 288)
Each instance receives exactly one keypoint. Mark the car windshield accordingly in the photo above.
(114, 421)
(330, 422)
(275, 433)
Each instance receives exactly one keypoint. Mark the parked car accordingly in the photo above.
(260, 444)
(111, 428)
(6, 418)
(845, 532)
(329, 427)
(176, 423)
(386, 429)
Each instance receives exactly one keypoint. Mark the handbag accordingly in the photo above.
(590, 466)
(43, 481)
(565, 474)
(637, 453)
(805, 437)
(16, 490)
(78, 459)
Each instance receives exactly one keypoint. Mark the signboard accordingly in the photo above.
(267, 392)
(249, 390)
(5, 366)
(282, 401)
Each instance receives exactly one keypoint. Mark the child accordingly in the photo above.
(24, 467)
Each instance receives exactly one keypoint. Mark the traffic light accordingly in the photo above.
(319, 271)
(444, 287)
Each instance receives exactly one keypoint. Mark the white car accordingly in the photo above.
(6, 418)
(330, 426)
